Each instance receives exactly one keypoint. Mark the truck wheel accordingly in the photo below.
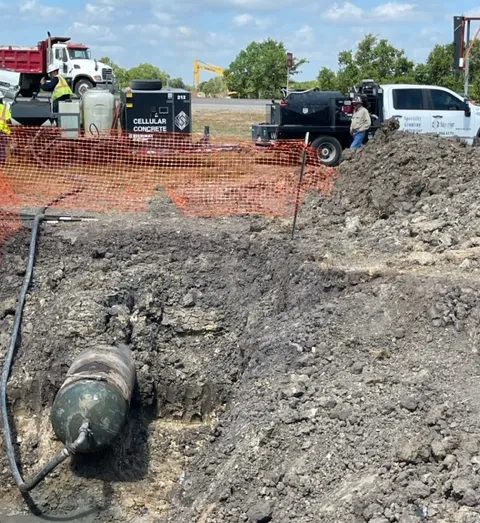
(329, 150)
(82, 86)
(146, 85)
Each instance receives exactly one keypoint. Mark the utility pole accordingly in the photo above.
(462, 46)
(289, 66)
(467, 60)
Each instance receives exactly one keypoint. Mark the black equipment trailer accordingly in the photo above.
(325, 115)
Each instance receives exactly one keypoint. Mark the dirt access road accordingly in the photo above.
(332, 378)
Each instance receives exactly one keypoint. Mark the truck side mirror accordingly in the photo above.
(468, 111)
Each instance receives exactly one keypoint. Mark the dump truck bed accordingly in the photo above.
(23, 59)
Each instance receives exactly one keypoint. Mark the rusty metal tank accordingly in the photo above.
(98, 389)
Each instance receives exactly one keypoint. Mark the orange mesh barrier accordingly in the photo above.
(10, 220)
(120, 172)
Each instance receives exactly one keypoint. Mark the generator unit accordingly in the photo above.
(147, 111)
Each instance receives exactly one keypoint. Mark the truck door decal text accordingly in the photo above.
(443, 128)
(412, 122)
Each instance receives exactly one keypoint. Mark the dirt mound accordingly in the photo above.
(271, 386)
(399, 173)
(404, 192)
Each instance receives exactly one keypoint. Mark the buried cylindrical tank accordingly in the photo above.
(97, 390)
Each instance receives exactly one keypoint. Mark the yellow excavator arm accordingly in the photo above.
(198, 66)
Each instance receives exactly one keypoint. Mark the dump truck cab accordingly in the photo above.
(77, 66)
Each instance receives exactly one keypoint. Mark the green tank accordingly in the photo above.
(98, 389)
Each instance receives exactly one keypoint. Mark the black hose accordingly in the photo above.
(25, 486)
(7, 366)
(92, 125)
(67, 451)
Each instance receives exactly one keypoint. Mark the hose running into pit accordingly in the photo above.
(23, 485)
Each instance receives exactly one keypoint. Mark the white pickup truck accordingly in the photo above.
(425, 109)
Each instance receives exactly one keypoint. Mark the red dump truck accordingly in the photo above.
(25, 66)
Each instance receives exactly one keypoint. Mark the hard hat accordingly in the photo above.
(357, 100)
(51, 68)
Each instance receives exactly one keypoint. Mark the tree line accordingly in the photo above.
(260, 70)
(143, 71)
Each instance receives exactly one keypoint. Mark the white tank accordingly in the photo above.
(98, 111)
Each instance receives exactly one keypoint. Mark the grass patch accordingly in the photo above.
(234, 122)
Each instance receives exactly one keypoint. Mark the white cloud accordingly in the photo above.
(475, 12)
(99, 10)
(304, 37)
(162, 16)
(243, 20)
(388, 12)
(188, 6)
(250, 4)
(147, 30)
(109, 50)
(431, 34)
(32, 8)
(97, 33)
(347, 12)
(26, 7)
(246, 20)
(184, 31)
(393, 11)
(182, 38)
(115, 3)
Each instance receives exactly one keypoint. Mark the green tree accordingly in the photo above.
(260, 70)
(376, 59)
(143, 71)
(349, 72)
(120, 72)
(327, 79)
(439, 68)
(146, 71)
(420, 74)
(177, 83)
(307, 84)
(213, 87)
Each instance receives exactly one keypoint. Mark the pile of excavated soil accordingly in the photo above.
(405, 192)
(275, 383)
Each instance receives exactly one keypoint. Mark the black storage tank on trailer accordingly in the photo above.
(307, 108)
(147, 111)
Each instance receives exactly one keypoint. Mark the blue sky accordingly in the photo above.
(170, 34)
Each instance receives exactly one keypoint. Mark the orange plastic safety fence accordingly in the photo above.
(121, 172)
(10, 220)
